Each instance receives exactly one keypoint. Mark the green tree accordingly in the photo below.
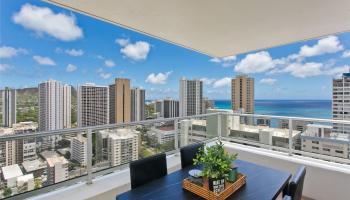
(7, 192)
(37, 183)
(67, 155)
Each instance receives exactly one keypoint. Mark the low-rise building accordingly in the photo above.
(320, 139)
(25, 183)
(192, 131)
(57, 169)
(163, 134)
(35, 167)
(266, 135)
(10, 174)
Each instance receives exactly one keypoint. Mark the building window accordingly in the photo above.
(315, 148)
(326, 149)
(338, 151)
(315, 142)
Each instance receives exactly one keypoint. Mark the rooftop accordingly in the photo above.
(33, 165)
(11, 171)
(52, 161)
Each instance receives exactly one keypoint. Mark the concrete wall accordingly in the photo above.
(324, 180)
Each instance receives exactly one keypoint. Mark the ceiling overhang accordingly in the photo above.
(222, 27)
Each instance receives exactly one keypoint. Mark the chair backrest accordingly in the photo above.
(148, 169)
(188, 153)
(295, 188)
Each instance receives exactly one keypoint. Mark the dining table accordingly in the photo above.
(262, 183)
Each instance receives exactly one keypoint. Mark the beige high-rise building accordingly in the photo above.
(242, 93)
(122, 99)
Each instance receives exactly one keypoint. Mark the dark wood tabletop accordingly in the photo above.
(262, 183)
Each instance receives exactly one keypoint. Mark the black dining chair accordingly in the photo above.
(188, 153)
(148, 169)
(294, 190)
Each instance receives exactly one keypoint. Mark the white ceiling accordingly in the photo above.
(221, 28)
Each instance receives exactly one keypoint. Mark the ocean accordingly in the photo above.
(295, 108)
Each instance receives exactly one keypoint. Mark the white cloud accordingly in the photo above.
(4, 67)
(268, 81)
(104, 75)
(255, 63)
(8, 52)
(122, 41)
(330, 44)
(303, 70)
(74, 52)
(224, 82)
(346, 54)
(159, 78)
(44, 60)
(109, 63)
(136, 51)
(208, 81)
(337, 71)
(71, 68)
(43, 20)
(225, 61)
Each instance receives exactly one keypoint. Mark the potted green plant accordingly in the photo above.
(216, 165)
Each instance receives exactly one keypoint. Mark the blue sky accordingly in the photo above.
(39, 41)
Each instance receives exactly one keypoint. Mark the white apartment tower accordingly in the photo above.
(93, 105)
(67, 104)
(123, 146)
(54, 106)
(9, 99)
(341, 103)
(137, 104)
(191, 97)
(78, 149)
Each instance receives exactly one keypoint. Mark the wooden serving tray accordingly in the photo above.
(205, 193)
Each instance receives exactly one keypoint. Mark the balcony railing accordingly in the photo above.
(99, 150)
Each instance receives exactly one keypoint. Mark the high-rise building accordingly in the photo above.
(93, 105)
(242, 94)
(67, 105)
(138, 104)
(122, 145)
(9, 101)
(7, 149)
(122, 101)
(158, 108)
(111, 89)
(54, 106)
(78, 149)
(341, 103)
(191, 97)
(170, 108)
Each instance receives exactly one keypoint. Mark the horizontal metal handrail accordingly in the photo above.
(96, 128)
(82, 178)
(145, 122)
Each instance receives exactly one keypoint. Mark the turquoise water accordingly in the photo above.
(295, 108)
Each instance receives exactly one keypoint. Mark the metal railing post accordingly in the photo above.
(176, 128)
(89, 157)
(290, 138)
(219, 127)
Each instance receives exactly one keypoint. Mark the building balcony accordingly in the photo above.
(96, 166)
